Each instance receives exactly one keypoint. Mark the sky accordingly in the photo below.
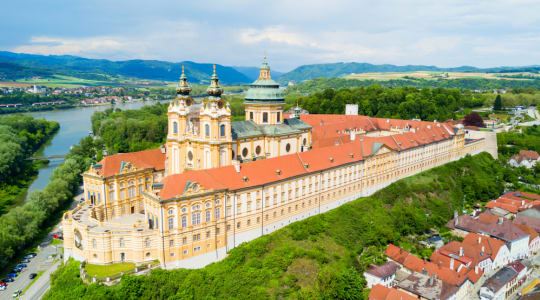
(291, 33)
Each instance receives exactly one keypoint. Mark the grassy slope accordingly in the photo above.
(321, 257)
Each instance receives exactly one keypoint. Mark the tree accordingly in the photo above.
(474, 119)
(497, 105)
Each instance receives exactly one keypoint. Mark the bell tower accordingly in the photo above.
(215, 128)
(177, 113)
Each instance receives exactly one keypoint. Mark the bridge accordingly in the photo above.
(46, 157)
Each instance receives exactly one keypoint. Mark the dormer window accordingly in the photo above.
(207, 130)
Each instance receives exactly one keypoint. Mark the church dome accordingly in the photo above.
(264, 90)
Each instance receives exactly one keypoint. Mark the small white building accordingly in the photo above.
(383, 274)
(504, 282)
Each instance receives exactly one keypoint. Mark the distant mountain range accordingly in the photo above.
(17, 65)
(308, 72)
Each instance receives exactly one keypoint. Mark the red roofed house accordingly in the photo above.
(476, 250)
(383, 274)
(217, 183)
(463, 280)
(525, 158)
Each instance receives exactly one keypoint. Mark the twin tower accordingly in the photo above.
(201, 136)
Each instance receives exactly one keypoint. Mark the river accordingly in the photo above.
(74, 125)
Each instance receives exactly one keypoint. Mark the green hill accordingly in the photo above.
(18, 65)
(308, 72)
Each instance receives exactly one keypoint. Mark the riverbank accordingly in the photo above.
(17, 173)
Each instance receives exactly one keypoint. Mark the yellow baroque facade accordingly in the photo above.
(203, 193)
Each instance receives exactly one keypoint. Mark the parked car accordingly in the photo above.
(17, 270)
(32, 275)
(3, 283)
(8, 279)
(26, 260)
(17, 293)
(22, 265)
(3, 287)
(30, 255)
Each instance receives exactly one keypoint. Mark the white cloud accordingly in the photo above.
(74, 46)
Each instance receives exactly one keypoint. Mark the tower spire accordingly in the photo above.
(183, 87)
(264, 71)
(214, 89)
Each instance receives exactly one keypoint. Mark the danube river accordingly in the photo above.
(74, 125)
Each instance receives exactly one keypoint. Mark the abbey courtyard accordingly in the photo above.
(216, 183)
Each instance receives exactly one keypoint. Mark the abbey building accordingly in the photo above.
(218, 183)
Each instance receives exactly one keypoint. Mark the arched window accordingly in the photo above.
(147, 242)
(207, 130)
(121, 242)
(175, 127)
(222, 130)
(265, 117)
(279, 117)
(251, 115)
(94, 244)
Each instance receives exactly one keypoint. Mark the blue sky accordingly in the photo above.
(293, 33)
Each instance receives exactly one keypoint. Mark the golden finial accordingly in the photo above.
(214, 69)
(264, 55)
(182, 69)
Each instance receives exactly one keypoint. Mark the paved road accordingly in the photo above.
(44, 261)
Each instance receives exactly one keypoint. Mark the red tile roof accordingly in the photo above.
(425, 267)
(380, 292)
(529, 154)
(384, 270)
(488, 224)
(111, 165)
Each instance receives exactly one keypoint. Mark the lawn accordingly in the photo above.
(56, 242)
(103, 271)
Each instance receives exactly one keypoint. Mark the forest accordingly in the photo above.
(322, 257)
(131, 130)
(510, 143)
(320, 84)
(21, 136)
(401, 102)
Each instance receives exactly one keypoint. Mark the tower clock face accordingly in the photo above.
(188, 102)
(220, 104)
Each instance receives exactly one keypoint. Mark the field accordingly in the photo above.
(439, 75)
(74, 82)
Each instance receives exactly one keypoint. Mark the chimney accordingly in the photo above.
(236, 164)
(479, 239)
(451, 263)
(431, 280)
(500, 220)
(483, 249)
(461, 251)
(522, 202)
(476, 269)
(353, 135)
(456, 221)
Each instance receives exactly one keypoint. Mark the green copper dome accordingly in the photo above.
(264, 90)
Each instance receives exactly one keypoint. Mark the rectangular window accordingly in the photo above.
(122, 195)
(217, 212)
(217, 231)
(140, 189)
(265, 117)
(279, 117)
(196, 218)
(171, 243)
(131, 192)
(184, 240)
(207, 234)
(208, 215)
(171, 223)
(251, 115)
(184, 221)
